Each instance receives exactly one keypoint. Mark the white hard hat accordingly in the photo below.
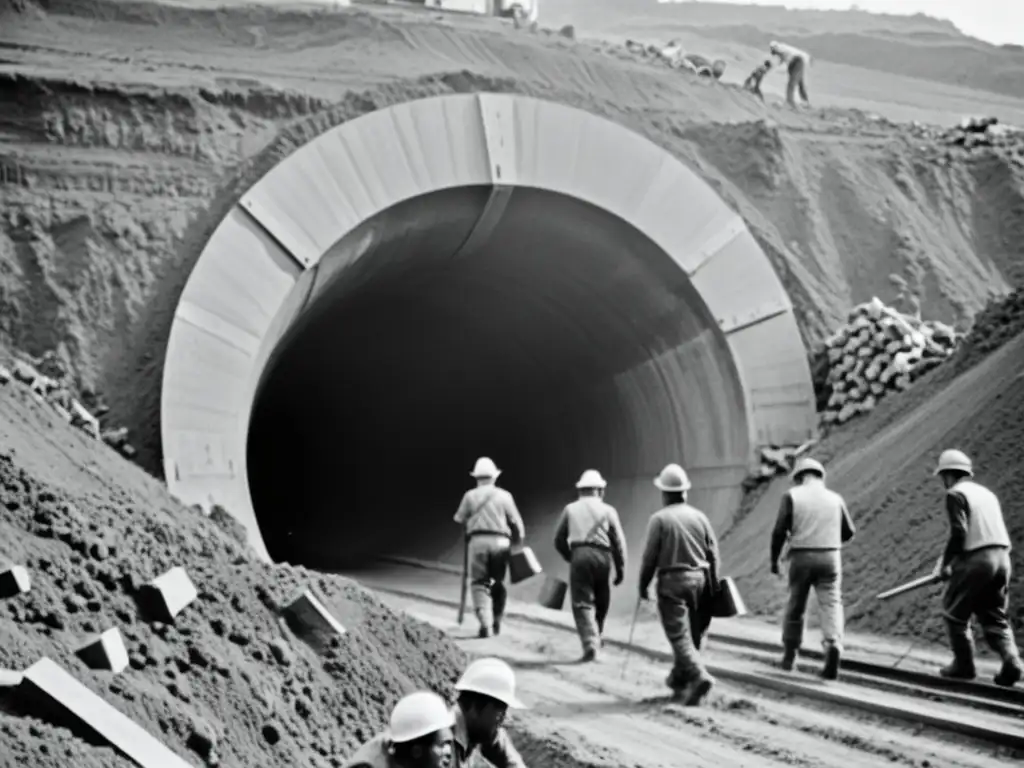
(673, 478)
(484, 467)
(808, 465)
(954, 460)
(591, 479)
(417, 715)
(491, 677)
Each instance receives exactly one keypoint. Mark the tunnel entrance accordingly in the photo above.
(467, 275)
(420, 357)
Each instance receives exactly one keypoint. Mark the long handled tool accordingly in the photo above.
(924, 581)
(632, 629)
(465, 579)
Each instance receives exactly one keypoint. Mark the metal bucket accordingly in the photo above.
(552, 593)
(728, 602)
(523, 565)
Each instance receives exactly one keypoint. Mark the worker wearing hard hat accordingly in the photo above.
(492, 521)
(817, 524)
(796, 62)
(682, 550)
(420, 735)
(589, 537)
(486, 691)
(976, 562)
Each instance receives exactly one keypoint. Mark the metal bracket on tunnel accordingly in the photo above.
(497, 114)
(714, 243)
(753, 316)
(304, 256)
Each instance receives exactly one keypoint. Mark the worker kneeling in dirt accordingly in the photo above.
(420, 736)
(589, 537)
(491, 520)
(817, 523)
(977, 564)
(487, 690)
(682, 549)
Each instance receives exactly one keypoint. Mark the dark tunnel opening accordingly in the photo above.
(558, 342)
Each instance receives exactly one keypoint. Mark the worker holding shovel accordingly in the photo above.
(492, 524)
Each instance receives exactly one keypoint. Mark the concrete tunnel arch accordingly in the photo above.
(463, 275)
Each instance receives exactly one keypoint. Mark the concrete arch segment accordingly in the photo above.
(655, 307)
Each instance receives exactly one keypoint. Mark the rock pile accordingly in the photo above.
(878, 351)
(777, 460)
(975, 134)
(674, 56)
(52, 385)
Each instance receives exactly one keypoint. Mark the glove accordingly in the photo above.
(775, 568)
(618, 579)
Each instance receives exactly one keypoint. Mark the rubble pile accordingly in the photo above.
(776, 460)
(674, 56)
(51, 384)
(975, 133)
(878, 351)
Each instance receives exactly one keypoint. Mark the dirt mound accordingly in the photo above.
(91, 529)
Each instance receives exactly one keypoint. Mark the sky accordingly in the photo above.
(996, 21)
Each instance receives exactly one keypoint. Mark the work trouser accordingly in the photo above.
(797, 71)
(684, 606)
(590, 570)
(488, 563)
(979, 585)
(821, 570)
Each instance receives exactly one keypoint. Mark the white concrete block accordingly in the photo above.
(105, 652)
(169, 594)
(14, 581)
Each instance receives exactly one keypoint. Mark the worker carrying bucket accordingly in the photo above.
(420, 735)
(486, 691)
(589, 537)
(492, 524)
(681, 548)
(817, 524)
(976, 563)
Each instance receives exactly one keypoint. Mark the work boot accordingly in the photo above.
(1002, 642)
(497, 625)
(833, 653)
(695, 691)
(485, 632)
(789, 653)
(589, 654)
(962, 645)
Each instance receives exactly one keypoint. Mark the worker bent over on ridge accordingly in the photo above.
(976, 562)
(796, 62)
(420, 736)
(817, 523)
(491, 520)
(682, 549)
(589, 537)
(486, 691)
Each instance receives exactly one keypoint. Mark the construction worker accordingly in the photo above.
(796, 62)
(682, 549)
(589, 537)
(420, 735)
(486, 691)
(491, 520)
(817, 524)
(976, 563)
(753, 81)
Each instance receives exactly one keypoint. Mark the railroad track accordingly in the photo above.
(979, 710)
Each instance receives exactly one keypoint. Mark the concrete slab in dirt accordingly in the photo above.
(106, 652)
(310, 620)
(14, 581)
(50, 692)
(168, 594)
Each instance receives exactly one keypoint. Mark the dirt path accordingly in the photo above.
(630, 716)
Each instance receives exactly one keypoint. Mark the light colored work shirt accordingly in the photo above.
(490, 509)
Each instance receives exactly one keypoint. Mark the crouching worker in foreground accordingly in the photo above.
(420, 736)
(486, 691)
(682, 549)
(977, 564)
(589, 537)
(818, 525)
